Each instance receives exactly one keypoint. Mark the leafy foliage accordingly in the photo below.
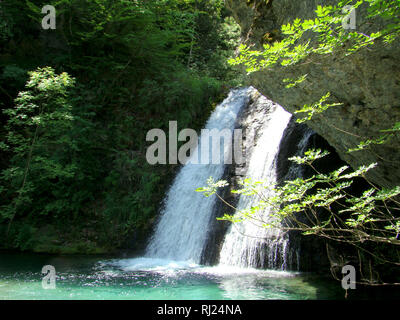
(327, 26)
(315, 108)
(73, 135)
(322, 205)
(38, 135)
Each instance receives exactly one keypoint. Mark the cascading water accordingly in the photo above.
(247, 243)
(181, 232)
(296, 170)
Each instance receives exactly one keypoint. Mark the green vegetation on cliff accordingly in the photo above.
(77, 102)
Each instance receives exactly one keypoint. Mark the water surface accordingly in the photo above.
(97, 278)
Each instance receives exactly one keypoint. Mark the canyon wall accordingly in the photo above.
(366, 83)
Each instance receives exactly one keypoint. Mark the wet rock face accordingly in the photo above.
(250, 120)
(302, 253)
(366, 83)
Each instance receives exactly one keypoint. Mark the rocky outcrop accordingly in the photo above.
(366, 83)
(302, 253)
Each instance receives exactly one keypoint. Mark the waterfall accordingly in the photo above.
(182, 229)
(185, 220)
(296, 170)
(247, 243)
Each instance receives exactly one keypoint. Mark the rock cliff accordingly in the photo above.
(367, 84)
(303, 253)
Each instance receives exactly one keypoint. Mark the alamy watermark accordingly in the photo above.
(349, 278)
(49, 280)
(215, 146)
(49, 20)
(349, 21)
